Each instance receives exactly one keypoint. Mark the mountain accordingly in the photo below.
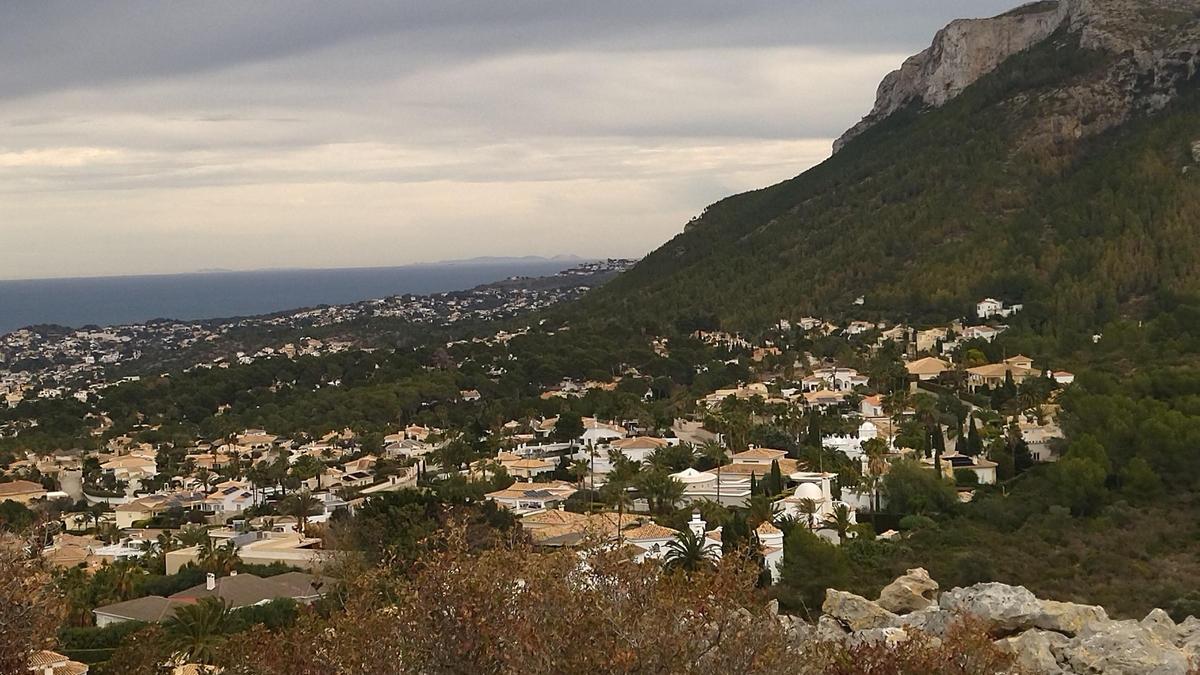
(1049, 155)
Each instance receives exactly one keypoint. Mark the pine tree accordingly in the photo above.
(974, 444)
(775, 484)
(939, 447)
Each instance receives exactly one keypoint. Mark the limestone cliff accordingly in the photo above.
(1154, 46)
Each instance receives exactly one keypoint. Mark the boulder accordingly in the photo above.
(889, 636)
(913, 591)
(856, 612)
(1006, 609)
(1036, 651)
(1126, 648)
(829, 629)
(1189, 628)
(1162, 625)
(931, 620)
(798, 631)
(1070, 618)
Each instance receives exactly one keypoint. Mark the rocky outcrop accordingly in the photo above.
(913, 591)
(1151, 48)
(961, 53)
(855, 612)
(1004, 608)
(1044, 636)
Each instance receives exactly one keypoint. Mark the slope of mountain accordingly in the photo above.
(1051, 156)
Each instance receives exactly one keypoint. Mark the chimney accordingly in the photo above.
(233, 573)
(697, 525)
(210, 581)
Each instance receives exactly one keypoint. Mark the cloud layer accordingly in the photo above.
(159, 137)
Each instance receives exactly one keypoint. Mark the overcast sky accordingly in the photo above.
(146, 137)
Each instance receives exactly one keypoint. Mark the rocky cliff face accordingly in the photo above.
(1154, 47)
(1046, 637)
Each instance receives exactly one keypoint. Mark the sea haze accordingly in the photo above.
(122, 300)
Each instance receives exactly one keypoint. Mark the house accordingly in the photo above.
(131, 468)
(983, 468)
(147, 609)
(46, 662)
(149, 506)
(230, 497)
(257, 439)
(527, 468)
(653, 539)
(595, 432)
(770, 538)
(985, 333)
(994, 375)
(926, 340)
(21, 491)
(261, 548)
(823, 399)
(236, 590)
(988, 307)
(469, 395)
(926, 369)
(523, 498)
(1063, 377)
(815, 489)
(871, 406)
(851, 446)
(758, 456)
(405, 480)
(640, 448)
(364, 463)
(1042, 441)
(729, 484)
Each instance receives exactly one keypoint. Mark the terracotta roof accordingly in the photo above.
(649, 531)
(767, 528)
(20, 487)
(640, 442)
(927, 366)
(150, 609)
(248, 589)
(760, 453)
(555, 517)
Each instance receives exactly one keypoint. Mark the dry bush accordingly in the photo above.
(30, 606)
(967, 649)
(513, 610)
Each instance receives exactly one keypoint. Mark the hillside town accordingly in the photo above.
(53, 361)
(929, 400)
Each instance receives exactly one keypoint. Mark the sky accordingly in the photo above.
(152, 137)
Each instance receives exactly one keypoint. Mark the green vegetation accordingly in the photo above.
(926, 213)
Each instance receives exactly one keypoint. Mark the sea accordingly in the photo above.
(109, 301)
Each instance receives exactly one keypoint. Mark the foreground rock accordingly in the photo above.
(1044, 636)
(913, 591)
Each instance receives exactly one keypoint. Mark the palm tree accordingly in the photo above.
(220, 560)
(690, 552)
(660, 489)
(579, 469)
(810, 508)
(192, 536)
(760, 509)
(716, 453)
(301, 505)
(124, 578)
(197, 630)
(617, 494)
(839, 520)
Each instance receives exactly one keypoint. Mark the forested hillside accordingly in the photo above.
(932, 209)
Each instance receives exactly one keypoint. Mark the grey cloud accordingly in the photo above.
(150, 136)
